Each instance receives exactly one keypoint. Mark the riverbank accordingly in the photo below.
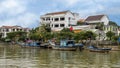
(114, 47)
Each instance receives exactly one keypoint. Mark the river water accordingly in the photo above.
(17, 57)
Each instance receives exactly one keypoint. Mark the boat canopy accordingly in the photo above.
(67, 43)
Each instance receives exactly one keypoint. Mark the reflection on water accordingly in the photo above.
(45, 58)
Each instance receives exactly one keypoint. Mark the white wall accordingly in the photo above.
(70, 19)
(105, 20)
(66, 22)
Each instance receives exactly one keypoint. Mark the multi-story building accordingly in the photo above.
(59, 20)
(112, 28)
(7, 29)
(97, 19)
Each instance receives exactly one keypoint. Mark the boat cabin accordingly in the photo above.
(69, 43)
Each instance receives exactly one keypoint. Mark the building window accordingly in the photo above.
(116, 29)
(47, 19)
(52, 25)
(62, 19)
(7, 30)
(48, 25)
(3, 30)
(56, 25)
(107, 28)
(17, 29)
(43, 19)
(69, 18)
(20, 29)
(51, 19)
(56, 19)
(13, 30)
(62, 25)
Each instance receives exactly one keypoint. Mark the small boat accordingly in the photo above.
(31, 44)
(65, 45)
(96, 49)
(45, 45)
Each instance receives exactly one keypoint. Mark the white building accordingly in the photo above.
(7, 29)
(94, 20)
(97, 19)
(112, 28)
(118, 31)
(59, 20)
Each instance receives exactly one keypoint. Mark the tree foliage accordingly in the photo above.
(17, 35)
(110, 34)
(84, 35)
(66, 30)
(99, 26)
(65, 33)
(42, 32)
(113, 23)
(115, 38)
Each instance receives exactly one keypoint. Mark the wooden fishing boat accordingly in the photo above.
(65, 45)
(96, 49)
(64, 48)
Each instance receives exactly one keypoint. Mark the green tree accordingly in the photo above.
(16, 36)
(79, 36)
(112, 23)
(100, 26)
(115, 39)
(110, 34)
(65, 34)
(84, 35)
(66, 30)
(89, 34)
(42, 32)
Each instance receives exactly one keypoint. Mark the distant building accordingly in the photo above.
(112, 28)
(7, 29)
(59, 20)
(119, 31)
(97, 19)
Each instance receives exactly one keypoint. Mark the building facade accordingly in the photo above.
(97, 19)
(65, 19)
(111, 28)
(7, 29)
(59, 20)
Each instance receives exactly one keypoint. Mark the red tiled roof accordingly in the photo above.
(55, 13)
(94, 18)
(10, 27)
(7, 27)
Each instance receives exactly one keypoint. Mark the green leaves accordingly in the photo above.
(17, 35)
(109, 34)
(84, 35)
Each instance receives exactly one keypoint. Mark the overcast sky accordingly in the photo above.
(26, 13)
